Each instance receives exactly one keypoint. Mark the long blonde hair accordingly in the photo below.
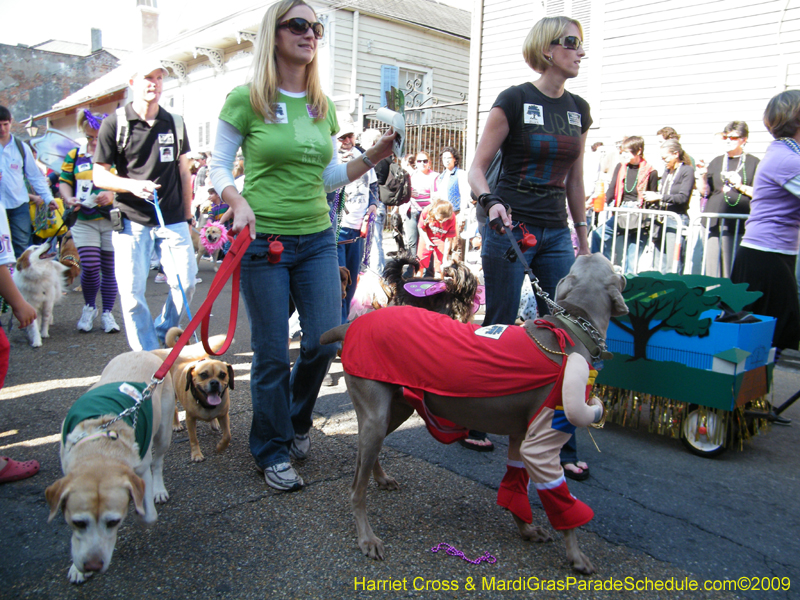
(265, 79)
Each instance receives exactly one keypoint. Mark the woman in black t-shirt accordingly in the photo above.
(541, 129)
(727, 184)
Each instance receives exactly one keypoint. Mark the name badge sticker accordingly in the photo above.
(533, 114)
(280, 114)
(129, 390)
(84, 167)
(574, 118)
(166, 138)
(313, 113)
(491, 331)
(167, 154)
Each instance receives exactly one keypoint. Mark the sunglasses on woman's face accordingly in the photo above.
(422, 162)
(731, 137)
(299, 26)
(570, 42)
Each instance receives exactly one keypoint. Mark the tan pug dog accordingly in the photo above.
(205, 397)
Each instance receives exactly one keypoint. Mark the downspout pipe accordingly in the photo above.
(354, 68)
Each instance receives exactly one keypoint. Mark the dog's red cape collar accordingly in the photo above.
(445, 356)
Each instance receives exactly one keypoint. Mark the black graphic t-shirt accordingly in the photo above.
(543, 143)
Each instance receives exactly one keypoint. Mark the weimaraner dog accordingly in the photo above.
(547, 365)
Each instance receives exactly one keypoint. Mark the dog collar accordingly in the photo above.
(85, 436)
(597, 349)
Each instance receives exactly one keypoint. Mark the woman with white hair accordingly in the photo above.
(286, 127)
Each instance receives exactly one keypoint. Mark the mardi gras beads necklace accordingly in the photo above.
(744, 177)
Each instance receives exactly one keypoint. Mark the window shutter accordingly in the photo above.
(389, 74)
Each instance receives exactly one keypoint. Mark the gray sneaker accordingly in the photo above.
(283, 477)
(301, 444)
(110, 323)
(86, 322)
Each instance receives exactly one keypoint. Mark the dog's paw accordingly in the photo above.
(372, 548)
(223, 443)
(160, 496)
(534, 533)
(178, 427)
(214, 425)
(76, 576)
(387, 483)
(37, 343)
(196, 457)
(582, 564)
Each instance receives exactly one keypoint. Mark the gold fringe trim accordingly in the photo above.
(667, 416)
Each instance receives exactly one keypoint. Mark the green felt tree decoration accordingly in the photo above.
(733, 296)
(654, 297)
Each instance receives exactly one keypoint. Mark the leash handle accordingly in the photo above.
(230, 266)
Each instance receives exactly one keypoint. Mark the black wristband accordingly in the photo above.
(487, 201)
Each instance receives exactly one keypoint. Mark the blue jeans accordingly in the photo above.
(633, 250)
(410, 231)
(550, 260)
(132, 249)
(19, 226)
(662, 261)
(349, 256)
(377, 261)
(283, 397)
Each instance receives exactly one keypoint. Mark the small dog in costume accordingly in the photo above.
(527, 382)
(457, 294)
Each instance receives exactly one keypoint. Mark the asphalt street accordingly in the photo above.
(661, 513)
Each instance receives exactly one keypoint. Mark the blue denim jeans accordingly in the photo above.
(283, 397)
(633, 250)
(377, 260)
(350, 256)
(410, 231)
(550, 260)
(132, 249)
(19, 226)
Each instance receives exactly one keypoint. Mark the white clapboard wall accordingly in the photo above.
(690, 64)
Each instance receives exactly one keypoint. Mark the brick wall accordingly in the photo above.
(32, 81)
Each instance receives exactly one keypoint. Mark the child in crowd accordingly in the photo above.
(437, 230)
(10, 469)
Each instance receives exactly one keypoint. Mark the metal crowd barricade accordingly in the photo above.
(644, 231)
(699, 229)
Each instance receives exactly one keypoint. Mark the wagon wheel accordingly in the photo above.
(704, 433)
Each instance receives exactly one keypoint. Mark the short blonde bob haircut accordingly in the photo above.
(265, 80)
(782, 117)
(537, 45)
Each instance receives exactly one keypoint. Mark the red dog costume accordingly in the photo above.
(496, 360)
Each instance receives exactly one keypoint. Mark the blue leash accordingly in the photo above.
(160, 218)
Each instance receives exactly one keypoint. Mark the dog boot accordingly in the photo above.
(513, 491)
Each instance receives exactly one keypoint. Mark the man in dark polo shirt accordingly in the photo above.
(152, 158)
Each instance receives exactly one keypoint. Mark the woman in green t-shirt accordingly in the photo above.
(285, 125)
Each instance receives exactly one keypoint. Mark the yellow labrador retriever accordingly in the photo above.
(533, 384)
(105, 468)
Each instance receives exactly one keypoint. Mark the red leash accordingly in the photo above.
(230, 266)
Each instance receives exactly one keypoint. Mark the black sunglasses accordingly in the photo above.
(570, 42)
(299, 26)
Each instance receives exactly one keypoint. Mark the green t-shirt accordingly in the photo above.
(283, 162)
